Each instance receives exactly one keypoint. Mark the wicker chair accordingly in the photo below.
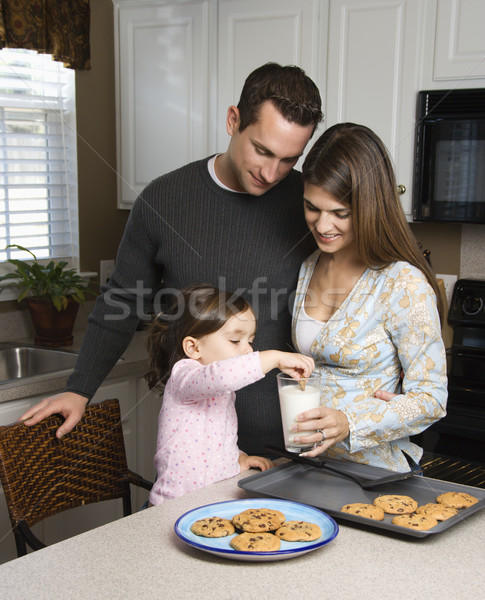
(42, 475)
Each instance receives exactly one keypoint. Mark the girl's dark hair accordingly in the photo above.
(291, 91)
(352, 164)
(197, 311)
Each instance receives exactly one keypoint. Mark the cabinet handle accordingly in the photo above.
(401, 189)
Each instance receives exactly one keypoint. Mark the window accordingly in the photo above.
(38, 162)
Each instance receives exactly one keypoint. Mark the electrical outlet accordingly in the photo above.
(105, 269)
(449, 282)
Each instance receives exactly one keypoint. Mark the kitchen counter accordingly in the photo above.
(141, 557)
(132, 363)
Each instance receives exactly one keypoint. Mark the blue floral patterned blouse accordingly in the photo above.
(387, 324)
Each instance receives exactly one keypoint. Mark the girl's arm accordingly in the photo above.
(191, 381)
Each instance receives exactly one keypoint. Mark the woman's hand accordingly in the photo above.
(258, 462)
(333, 423)
(383, 395)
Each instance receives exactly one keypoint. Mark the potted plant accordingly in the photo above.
(53, 294)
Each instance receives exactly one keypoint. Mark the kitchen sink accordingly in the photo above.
(21, 360)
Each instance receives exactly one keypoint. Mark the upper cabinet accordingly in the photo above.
(460, 40)
(181, 63)
(162, 85)
(373, 75)
(253, 32)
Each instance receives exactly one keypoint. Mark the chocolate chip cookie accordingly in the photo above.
(299, 531)
(255, 520)
(396, 504)
(361, 509)
(415, 521)
(255, 542)
(457, 499)
(213, 527)
(440, 512)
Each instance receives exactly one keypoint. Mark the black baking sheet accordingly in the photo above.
(329, 492)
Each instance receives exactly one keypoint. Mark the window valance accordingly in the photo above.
(57, 27)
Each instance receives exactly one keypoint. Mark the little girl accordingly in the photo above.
(201, 348)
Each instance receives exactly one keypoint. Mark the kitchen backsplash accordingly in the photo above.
(472, 265)
(17, 325)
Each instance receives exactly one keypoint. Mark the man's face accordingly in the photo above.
(259, 157)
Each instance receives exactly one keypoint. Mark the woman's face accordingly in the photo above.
(330, 221)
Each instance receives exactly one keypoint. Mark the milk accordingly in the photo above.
(293, 402)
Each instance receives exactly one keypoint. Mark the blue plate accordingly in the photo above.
(293, 511)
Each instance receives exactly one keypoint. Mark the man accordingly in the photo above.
(235, 221)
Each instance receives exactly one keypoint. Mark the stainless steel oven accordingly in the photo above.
(449, 170)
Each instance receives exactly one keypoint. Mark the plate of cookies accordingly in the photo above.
(256, 529)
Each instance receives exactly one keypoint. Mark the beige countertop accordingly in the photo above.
(141, 557)
(133, 362)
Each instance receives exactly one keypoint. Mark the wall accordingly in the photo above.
(101, 223)
(472, 263)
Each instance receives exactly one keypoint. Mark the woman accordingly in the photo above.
(366, 308)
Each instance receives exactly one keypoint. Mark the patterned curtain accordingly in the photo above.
(57, 27)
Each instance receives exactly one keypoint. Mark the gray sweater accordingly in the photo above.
(185, 229)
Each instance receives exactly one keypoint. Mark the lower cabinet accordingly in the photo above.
(139, 410)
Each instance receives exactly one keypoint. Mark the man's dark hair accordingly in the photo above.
(291, 91)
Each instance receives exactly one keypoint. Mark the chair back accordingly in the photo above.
(43, 475)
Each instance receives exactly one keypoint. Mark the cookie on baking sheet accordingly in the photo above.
(213, 527)
(299, 531)
(415, 521)
(361, 509)
(255, 542)
(255, 520)
(439, 512)
(457, 499)
(396, 504)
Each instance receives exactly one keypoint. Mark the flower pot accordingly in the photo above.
(52, 327)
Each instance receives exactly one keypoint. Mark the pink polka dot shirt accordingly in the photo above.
(197, 425)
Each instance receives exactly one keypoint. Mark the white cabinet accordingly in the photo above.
(253, 32)
(180, 65)
(373, 74)
(162, 90)
(459, 52)
(148, 407)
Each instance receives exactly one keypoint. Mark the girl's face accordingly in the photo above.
(232, 339)
(330, 221)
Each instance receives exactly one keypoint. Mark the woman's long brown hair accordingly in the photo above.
(352, 164)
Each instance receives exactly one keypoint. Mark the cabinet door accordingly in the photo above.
(148, 407)
(373, 74)
(460, 40)
(253, 32)
(162, 90)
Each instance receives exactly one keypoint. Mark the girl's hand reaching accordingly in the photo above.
(258, 462)
(294, 365)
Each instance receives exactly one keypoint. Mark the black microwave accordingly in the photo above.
(449, 168)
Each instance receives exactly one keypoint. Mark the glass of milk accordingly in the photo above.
(297, 396)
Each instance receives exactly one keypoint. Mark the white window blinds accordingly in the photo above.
(38, 162)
